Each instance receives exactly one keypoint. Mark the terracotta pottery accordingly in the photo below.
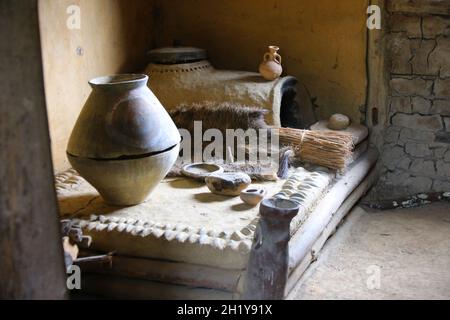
(253, 196)
(124, 142)
(200, 170)
(228, 183)
(271, 68)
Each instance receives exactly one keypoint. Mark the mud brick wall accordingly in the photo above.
(415, 156)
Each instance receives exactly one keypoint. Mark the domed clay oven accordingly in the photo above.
(183, 75)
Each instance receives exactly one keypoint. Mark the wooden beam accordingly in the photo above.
(378, 78)
(176, 273)
(118, 287)
(31, 256)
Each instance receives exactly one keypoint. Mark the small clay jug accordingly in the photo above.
(271, 68)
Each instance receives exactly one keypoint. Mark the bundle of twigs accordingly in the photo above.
(329, 149)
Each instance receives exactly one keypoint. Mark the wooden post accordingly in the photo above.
(267, 269)
(377, 113)
(31, 256)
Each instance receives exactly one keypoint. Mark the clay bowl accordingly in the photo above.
(228, 183)
(253, 196)
(200, 170)
(125, 182)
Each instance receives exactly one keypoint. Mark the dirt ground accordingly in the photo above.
(394, 254)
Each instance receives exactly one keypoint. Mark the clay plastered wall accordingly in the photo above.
(322, 42)
(114, 36)
(416, 151)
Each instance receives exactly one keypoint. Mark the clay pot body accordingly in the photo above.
(271, 68)
(124, 142)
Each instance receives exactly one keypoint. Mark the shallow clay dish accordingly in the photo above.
(200, 170)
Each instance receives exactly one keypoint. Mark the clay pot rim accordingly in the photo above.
(186, 170)
(254, 191)
(136, 79)
(283, 204)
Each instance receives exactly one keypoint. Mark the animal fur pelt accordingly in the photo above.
(219, 116)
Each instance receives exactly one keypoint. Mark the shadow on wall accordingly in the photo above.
(112, 37)
(137, 32)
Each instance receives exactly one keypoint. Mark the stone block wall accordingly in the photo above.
(415, 156)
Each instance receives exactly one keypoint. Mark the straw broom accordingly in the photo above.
(329, 149)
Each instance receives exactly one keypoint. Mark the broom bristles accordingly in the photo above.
(329, 149)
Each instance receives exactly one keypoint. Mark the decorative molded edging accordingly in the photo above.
(239, 240)
(181, 67)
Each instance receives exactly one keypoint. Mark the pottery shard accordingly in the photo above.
(228, 184)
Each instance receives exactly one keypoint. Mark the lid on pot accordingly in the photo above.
(175, 55)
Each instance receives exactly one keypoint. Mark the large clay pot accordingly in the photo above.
(271, 68)
(124, 142)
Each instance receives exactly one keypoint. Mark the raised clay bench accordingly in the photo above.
(185, 242)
